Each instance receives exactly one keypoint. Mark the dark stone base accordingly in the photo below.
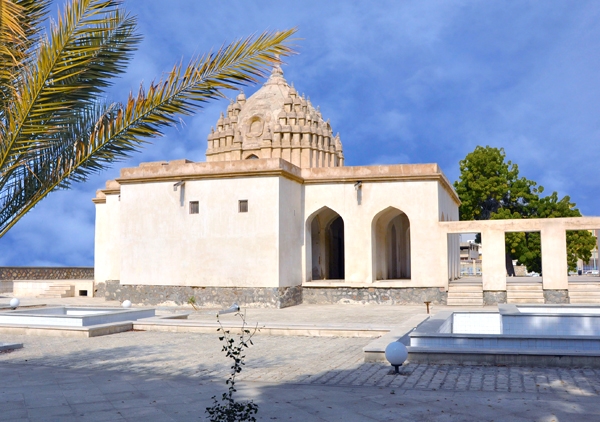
(281, 297)
(372, 295)
(222, 297)
(556, 296)
(492, 297)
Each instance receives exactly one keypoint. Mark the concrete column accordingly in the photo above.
(554, 257)
(494, 261)
(450, 256)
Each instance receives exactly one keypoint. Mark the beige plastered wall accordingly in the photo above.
(417, 199)
(163, 244)
(107, 241)
(291, 239)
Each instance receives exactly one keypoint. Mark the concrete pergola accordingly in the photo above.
(553, 239)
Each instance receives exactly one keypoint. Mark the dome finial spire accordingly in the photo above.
(277, 70)
(276, 73)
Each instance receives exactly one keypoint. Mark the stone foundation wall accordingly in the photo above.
(221, 297)
(282, 297)
(46, 273)
(556, 296)
(491, 297)
(371, 295)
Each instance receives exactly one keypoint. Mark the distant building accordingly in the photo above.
(469, 251)
(591, 266)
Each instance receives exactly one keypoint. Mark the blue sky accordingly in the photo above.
(402, 82)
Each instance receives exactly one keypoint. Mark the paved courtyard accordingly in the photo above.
(158, 376)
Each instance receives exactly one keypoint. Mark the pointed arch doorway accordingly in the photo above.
(326, 260)
(391, 245)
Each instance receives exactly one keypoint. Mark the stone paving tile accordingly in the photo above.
(12, 411)
(303, 360)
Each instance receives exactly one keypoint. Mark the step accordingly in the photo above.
(584, 293)
(465, 302)
(585, 287)
(466, 283)
(466, 289)
(465, 294)
(523, 300)
(592, 300)
(524, 286)
(583, 298)
(524, 283)
(58, 291)
(527, 293)
(55, 295)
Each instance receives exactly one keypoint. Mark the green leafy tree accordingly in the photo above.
(54, 126)
(490, 188)
(488, 183)
(525, 247)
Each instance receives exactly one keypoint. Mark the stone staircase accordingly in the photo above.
(525, 291)
(58, 290)
(465, 293)
(584, 291)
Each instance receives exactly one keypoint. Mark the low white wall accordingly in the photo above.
(34, 288)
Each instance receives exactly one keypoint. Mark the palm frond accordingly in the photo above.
(12, 40)
(66, 135)
(65, 73)
(103, 50)
(19, 28)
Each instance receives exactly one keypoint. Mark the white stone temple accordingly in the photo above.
(274, 218)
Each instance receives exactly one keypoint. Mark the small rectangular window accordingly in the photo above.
(243, 205)
(194, 207)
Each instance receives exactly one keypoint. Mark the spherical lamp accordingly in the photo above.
(14, 302)
(126, 304)
(396, 353)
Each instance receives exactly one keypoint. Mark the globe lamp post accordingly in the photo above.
(14, 303)
(396, 353)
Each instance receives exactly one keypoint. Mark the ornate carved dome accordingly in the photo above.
(275, 122)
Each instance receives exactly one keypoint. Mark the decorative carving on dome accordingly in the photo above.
(275, 122)
(255, 127)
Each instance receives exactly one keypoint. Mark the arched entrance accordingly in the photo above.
(391, 245)
(326, 234)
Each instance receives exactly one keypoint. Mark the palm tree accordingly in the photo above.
(55, 129)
